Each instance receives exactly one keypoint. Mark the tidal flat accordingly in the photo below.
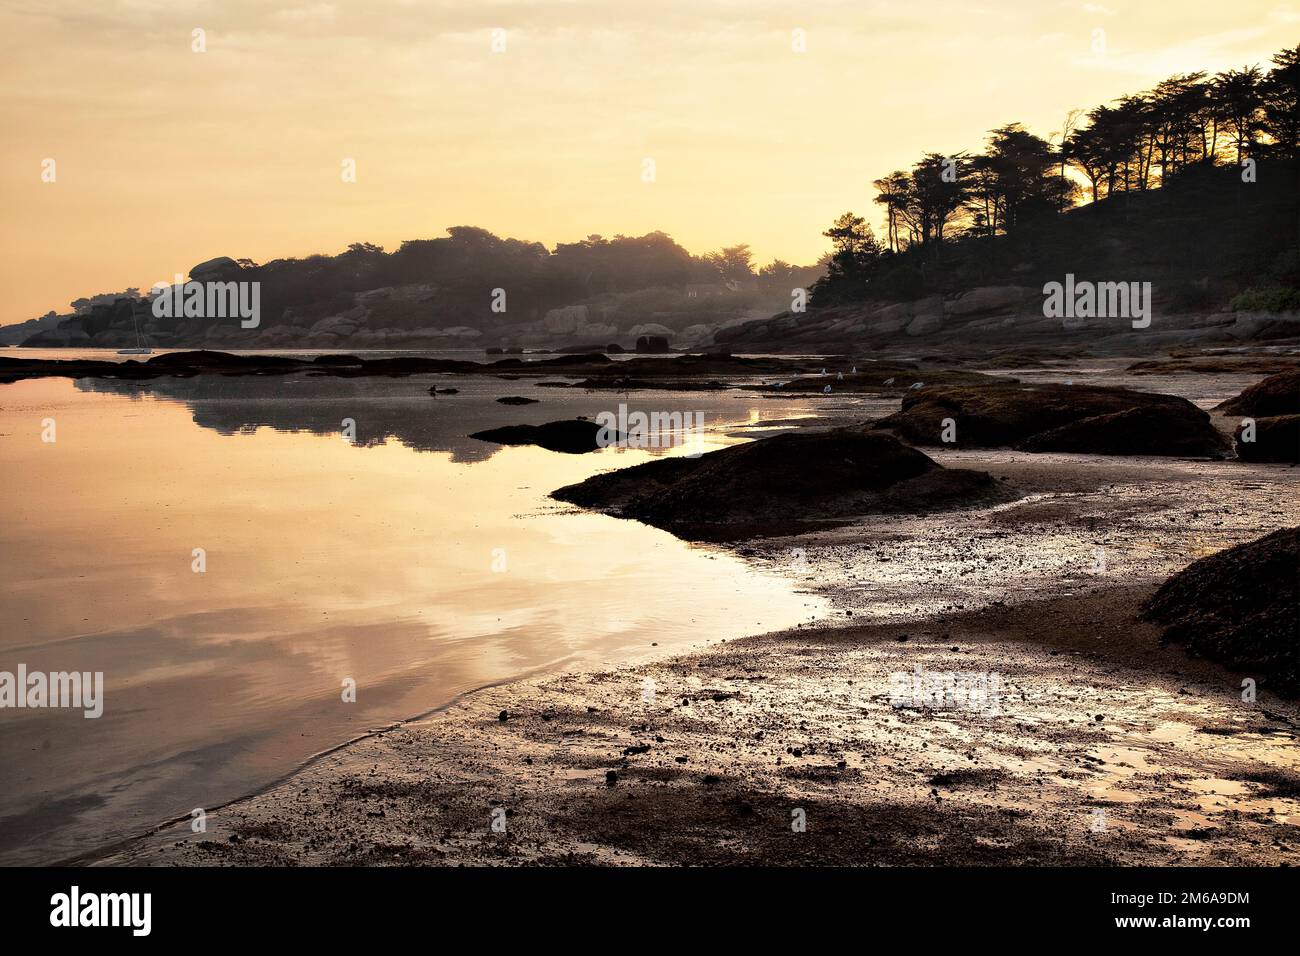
(789, 746)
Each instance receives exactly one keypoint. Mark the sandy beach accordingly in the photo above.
(1109, 750)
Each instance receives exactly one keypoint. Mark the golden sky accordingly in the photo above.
(166, 157)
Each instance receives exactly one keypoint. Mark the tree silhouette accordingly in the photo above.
(1239, 99)
(1281, 106)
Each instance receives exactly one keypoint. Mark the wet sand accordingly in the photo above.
(1108, 750)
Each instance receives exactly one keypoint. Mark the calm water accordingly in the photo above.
(416, 561)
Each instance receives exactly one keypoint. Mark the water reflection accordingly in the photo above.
(417, 575)
(402, 409)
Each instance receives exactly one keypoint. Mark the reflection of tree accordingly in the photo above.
(382, 409)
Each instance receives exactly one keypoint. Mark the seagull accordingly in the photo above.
(841, 376)
(917, 384)
(889, 381)
(855, 370)
(826, 390)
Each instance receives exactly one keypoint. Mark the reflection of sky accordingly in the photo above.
(324, 561)
(403, 409)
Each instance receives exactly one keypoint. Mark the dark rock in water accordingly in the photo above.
(1240, 607)
(1276, 438)
(884, 377)
(652, 344)
(1078, 418)
(1276, 395)
(783, 484)
(435, 391)
(573, 435)
(628, 384)
(1182, 430)
(516, 400)
(204, 360)
(613, 348)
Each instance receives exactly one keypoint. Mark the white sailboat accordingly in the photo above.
(139, 348)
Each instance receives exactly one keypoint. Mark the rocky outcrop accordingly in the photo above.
(567, 319)
(212, 269)
(1274, 438)
(973, 312)
(1276, 395)
(650, 329)
(985, 300)
(1067, 418)
(927, 316)
(1180, 430)
(1240, 607)
(784, 484)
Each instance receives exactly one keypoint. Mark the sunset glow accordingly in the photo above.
(167, 157)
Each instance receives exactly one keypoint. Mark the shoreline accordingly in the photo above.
(709, 769)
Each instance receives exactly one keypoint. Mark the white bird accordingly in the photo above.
(855, 370)
(889, 381)
(840, 376)
(917, 384)
(823, 371)
(826, 390)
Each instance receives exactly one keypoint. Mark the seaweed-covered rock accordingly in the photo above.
(1276, 395)
(1182, 430)
(1240, 607)
(1078, 418)
(1276, 438)
(884, 377)
(782, 484)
